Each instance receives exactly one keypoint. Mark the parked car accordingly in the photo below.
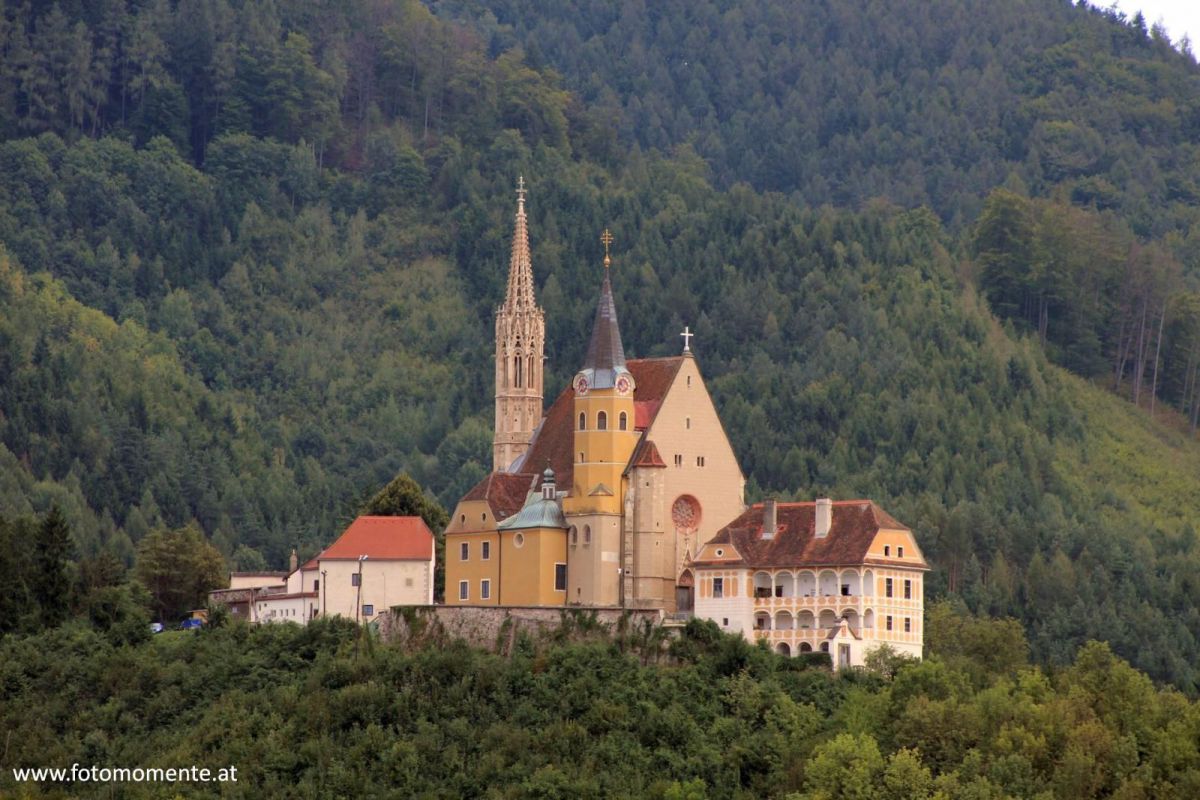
(191, 624)
(156, 627)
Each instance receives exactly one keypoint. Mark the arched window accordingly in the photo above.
(623, 421)
(574, 535)
(587, 534)
(582, 421)
(602, 421)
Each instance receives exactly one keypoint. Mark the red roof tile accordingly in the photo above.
(311, 564)
(853, 528)
(504, 492)
(646, 455)
(644, 412)
(554, 439)
(383, 538)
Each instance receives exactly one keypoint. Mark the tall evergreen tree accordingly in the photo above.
(52, 552)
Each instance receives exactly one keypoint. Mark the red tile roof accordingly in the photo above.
(311, 564)
(646, 455)
(554, 439)
(853, 528)
(383, 539)
(504, 492)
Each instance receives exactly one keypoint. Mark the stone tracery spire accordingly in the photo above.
(520, 340)
(520, 267)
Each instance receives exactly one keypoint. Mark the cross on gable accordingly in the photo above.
(687, 338)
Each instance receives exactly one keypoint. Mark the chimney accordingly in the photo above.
(770, 519)
(824, 516)
(293, 561)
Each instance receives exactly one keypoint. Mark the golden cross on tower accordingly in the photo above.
(521, 188)
(606, 238)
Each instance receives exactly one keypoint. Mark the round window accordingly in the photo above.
(720, 552)
(519, 540)
(685, 512)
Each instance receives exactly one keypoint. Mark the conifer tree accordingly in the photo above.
(52, 551)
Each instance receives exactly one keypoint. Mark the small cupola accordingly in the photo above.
(549, 491)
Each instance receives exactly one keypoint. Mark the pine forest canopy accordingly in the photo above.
(250, 253)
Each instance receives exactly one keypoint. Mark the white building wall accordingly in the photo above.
(284, 609)
(384, 584)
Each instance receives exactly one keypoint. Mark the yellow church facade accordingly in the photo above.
(634, 453)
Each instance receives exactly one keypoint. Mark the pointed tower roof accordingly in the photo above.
(520, 265)
(605, 350)
(605, 355)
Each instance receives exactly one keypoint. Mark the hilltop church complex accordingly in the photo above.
(626, 493)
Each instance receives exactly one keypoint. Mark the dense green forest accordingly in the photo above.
(249, 255)
(308, 712)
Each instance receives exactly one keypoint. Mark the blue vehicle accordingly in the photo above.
(191, 624)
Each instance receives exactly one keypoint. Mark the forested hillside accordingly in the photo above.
(301, 713)
(251, 254)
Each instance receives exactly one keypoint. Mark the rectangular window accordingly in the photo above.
(678, 460)
(317, 585)
(485, 551)
(688, 422)
(485, 589)
(464, 551)
(845, 590)
(718, 587)
(889, 622)
(887, 549)
(464, 590)
(908, 624)
(908, 590)
(368, 610)
(354, 576)
(560, 577)
(899, 552)
(887, 587)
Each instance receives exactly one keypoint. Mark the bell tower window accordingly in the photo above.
(602, 421)
(517, 365)
(623, 421)
(582, 421)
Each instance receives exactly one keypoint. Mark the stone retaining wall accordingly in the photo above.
(495, 627)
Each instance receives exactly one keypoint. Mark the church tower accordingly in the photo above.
(520, 339)
(604, 440)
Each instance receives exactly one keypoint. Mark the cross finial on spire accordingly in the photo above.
(687, 338)
(606, 239)
(521, 189)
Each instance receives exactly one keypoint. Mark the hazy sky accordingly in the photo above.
(1178, 16)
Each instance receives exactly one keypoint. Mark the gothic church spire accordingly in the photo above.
(520, 265)
(520, 339)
